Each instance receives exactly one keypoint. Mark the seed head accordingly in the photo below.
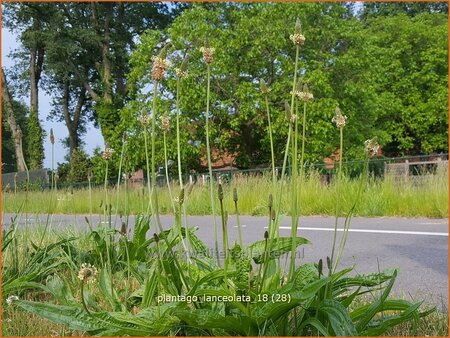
(302, 92)
(165, 123)
(320, 266)
(287, 109)
(293, 118)
(235, 195)
(220, 192)
(264, 89)
(52, 137)
(182, 71)
(144, 119)
(87, 273)
(270, 204)
(181, 197)
(160, 65)
(107, 153)
(297, 38)
(339, 119)
(208, 53)
(371, 147)
(156, 238)
(266, 234)
(273, 215)
(123, 229)
(328, 263)
(11, 299)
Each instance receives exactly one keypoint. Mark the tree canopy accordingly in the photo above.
(384, 64)
(387, 73)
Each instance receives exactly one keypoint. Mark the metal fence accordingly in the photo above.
(400, 168)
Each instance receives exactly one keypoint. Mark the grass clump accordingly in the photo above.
(382, 197)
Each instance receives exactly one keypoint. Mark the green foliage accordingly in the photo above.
(311, 304)
(80, 164)
(391, 83)
(35, 142)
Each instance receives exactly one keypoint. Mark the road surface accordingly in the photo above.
(417, 246)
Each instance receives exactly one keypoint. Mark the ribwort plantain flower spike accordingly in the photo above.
(220, 192)
(371, 147)
(264, 89)
(293, 118)
(165, 123)
(160, 64)
(235, 195)
(297, 38)
(339, 119)
(107, 153)
(287, 109)
(182, 72)
(144, 119)
(320, 267)
(87, 273)
(208, 53)
(52, 137)
(11, 299)
(270, 204)
(181, 197)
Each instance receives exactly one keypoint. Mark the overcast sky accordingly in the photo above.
(93, 137)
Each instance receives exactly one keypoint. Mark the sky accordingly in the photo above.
(93, 137)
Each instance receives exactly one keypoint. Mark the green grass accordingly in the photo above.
(427, 197)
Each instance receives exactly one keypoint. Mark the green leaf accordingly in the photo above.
(339, 318)
(75, 318)
(278, 246)
(208, 319)
(108, 291)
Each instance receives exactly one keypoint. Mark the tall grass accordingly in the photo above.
(424, 196)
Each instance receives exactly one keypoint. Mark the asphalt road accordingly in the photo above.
(417, 246)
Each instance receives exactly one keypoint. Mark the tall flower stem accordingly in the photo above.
(338, 184)
(153, 196)
(53, 166)
(294, 196)
(271, 143)
(224, 230)
(108, 255)
(120, 174)
(83, 300)
(208, 152)
(149, 189)
(180, 176)
(167, 172)
(294, 216)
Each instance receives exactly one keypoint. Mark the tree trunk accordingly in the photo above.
(15, 128)
(72, 124)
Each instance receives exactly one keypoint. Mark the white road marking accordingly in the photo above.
(242, 225)
(421, 233)
(431, 223)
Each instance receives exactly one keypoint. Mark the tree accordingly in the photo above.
(374, 9)
(86, 48)
(350, 62)
(32, 21)
(10, 110)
